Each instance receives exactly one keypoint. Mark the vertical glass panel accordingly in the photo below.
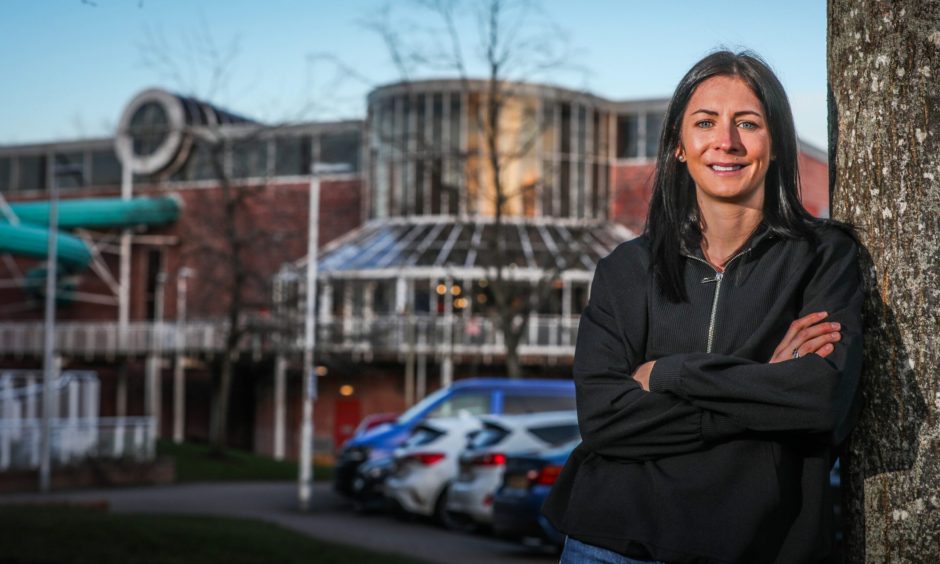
(32, 173)
(595, 190)
(105, 168)
(422, 141)
(419, 185)
(627, 131)
(423, 296)
(70, 170)
(437, 117)
(598, 134)
(6, 170)
(548, 188)
(292, 155)
(582, 177)
(564, 184)
(250, 158)
(565, 128)
(548, 129)
(582, 130)
(455, 132)
(654, 126)
(341, 148)
(602, 212)
(380, 194)
(436, 163)
(201, 163)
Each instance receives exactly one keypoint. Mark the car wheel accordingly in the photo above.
(449, 519)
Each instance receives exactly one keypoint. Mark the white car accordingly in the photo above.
(427, 463)
(470, 497)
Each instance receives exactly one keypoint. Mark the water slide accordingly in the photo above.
(30, 237)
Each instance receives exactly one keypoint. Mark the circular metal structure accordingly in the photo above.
(155, 132)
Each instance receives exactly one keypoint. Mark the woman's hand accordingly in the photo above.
(642, 374)
(808, 335)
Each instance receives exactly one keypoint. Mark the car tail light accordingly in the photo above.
(545, 476)
(491, 459)
(425, 458)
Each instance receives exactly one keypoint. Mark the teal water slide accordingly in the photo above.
(30, 237)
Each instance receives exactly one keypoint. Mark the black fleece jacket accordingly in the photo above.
(726, 459)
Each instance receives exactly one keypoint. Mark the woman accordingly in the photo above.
(718, 359)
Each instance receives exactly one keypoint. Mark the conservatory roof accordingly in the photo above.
(442, 246)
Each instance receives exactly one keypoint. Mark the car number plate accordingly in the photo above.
(518, 482)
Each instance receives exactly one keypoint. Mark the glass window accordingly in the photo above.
(582, 130)
(564, 184)
(250, 158)
(627, 132)
(105, 168)
(200, 165)
(437, 116)
(6, 168)
(469, 403)
(149, 128)
(454, 129)
(292, 155)
(488, 436)
(342, 147)
(421, 436)
(32, 173)
(566, 128)
(70, 170)
(654, 126)
(518, 403)
(557, 434)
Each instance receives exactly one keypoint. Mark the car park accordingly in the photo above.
(426, 465)
(517, 504)
(481, 465)
(475, 396)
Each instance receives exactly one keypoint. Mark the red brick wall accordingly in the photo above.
(272, 222)
(632, 187)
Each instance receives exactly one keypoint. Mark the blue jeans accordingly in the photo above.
(577, 552)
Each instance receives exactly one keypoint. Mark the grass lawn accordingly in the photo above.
(33, 534)
(194, 463)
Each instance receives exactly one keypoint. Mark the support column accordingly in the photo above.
(565, 312)
(280, 407)
(447, 363)
(179, 398)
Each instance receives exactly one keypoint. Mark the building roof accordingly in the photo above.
(462, 248)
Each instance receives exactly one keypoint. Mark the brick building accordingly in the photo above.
(403, 305)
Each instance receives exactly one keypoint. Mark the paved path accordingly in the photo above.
(331, 519)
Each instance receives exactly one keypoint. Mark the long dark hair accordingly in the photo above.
(673, 225)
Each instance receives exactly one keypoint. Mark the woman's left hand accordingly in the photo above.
(642, 374)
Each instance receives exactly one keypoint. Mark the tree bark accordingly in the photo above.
(884, 79)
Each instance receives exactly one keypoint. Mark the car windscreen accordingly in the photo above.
(422, 405)
(556, 434)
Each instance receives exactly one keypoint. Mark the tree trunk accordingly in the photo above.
(218, 425)
(884, 77)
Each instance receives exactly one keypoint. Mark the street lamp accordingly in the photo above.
(179, 380)
(49, 362)
(305, 478)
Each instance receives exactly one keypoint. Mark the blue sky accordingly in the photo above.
(69, 67)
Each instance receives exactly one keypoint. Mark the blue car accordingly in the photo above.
(517, 505)
(476, 396)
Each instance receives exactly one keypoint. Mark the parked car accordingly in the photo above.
(470, 498)
(372, 421)
(517, 504)
(476, 396)
(427, 463)
(368, 488)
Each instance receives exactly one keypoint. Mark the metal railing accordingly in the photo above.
(545, 335)
(74, 440)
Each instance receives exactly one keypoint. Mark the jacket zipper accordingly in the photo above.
(719, 276)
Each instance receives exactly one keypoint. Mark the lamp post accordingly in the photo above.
(305, 477)
(179, 380)
(49, 361)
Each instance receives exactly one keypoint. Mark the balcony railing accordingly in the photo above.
(545, 336)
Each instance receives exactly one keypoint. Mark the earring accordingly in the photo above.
(681, 158)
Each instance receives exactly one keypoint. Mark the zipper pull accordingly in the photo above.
(718, 276)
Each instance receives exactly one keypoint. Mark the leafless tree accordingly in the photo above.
(884, 125)
(517, 44)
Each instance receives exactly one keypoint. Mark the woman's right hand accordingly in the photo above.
(808, 335)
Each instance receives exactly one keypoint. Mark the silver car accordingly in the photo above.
(426, 465)
(470, 497)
